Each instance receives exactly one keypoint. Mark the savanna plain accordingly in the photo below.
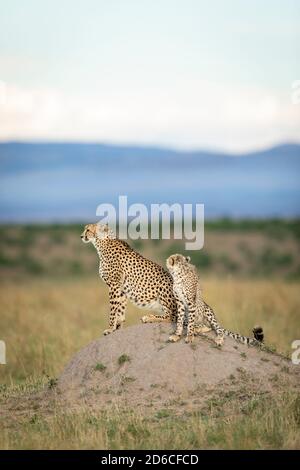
(53, 304)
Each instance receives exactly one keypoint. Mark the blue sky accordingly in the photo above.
(190, 73)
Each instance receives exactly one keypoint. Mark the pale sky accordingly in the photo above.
(214, 74)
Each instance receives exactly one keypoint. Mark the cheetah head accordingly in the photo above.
(93, 231)
(175, 261)
(89, 233)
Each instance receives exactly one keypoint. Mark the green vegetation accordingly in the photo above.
(224, 422)
(163, 414)
(247, 248)
(122, 359)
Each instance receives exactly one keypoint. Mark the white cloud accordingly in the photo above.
(186, 114)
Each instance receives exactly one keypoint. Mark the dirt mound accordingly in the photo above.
(136, 366)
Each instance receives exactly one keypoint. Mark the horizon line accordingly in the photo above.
(147, 145)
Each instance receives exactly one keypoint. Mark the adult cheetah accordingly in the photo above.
(187, 291)
(129, 275)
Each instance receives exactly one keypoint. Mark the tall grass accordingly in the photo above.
(44, 321)
(258, 424)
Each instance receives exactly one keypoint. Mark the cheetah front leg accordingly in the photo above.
(118, 301)
(180, 319)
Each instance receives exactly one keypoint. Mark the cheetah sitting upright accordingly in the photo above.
(201, 317)
(129, 275)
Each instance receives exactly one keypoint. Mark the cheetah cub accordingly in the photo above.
(201, 317)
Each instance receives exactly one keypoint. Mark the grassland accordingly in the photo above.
(255, 424)
(248, 249)
(52, 304)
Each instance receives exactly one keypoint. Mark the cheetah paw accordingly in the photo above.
(174, 338)
(189, 338)
(202, 330)
(108, 331)
(219, 341)
(147, 319)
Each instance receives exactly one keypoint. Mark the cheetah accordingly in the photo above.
(130, 276)
(201, 317)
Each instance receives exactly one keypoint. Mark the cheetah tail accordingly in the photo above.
(258, 333)
(256, 341)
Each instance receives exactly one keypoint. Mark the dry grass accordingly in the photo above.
(44, 321)
(254, 424)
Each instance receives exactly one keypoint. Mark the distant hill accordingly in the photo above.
(66, 181)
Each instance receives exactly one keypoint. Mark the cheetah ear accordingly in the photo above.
(105, 228)
(188, 258)
(171, 261)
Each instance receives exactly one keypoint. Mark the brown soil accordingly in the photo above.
(137, 367)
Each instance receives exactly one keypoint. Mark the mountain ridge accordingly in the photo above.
(55, 181)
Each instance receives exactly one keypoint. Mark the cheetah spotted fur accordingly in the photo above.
(201, 317)
(130, 276)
